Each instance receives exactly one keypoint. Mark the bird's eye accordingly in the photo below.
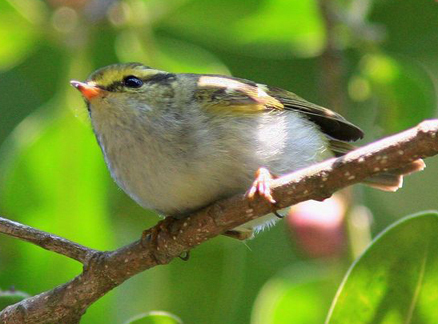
(132, 82)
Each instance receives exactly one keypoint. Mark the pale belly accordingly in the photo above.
(176, 178)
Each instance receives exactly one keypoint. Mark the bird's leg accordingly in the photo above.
(261, 185)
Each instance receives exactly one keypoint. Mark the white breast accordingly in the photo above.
(176, 166)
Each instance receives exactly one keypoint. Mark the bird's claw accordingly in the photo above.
(261, 185)
(150, 235)
(185, 256)
(276, 213)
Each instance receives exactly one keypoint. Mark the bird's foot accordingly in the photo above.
(276, 213)
(149, 237)
(261, 185)
(151, 234)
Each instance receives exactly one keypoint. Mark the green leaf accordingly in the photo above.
(300, 295)
(415, 34)
(396, 279)
(179, 56)
(258, 28)
(297, 23)
(155, 318)
(9, 297)
(169, 54)
(404, 90)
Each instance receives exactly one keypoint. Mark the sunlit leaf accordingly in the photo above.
(295, 23)
(170, 54)
(155, 318)
(396, 279)
(268, 28)
(179, 56)
(219, 16)
(300, 295)
(17, 36)
(404, 90)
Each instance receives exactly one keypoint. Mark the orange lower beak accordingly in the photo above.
(89, 91)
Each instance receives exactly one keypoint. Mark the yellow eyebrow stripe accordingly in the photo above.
(111, 76)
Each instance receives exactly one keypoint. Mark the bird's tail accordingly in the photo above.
(390, 180)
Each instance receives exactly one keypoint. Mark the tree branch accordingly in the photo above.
(105, 270)
(45, 240)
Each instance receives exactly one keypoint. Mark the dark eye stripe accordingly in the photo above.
(161, 78)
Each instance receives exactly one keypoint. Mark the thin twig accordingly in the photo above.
(46, 240)
(332, 60)
(106, 270)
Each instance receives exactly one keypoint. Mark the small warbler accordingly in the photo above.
(176, 143)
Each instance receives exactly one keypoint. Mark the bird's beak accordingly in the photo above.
(88, 89)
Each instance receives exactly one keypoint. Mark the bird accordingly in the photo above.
(178, 142)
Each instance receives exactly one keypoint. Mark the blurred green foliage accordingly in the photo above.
(52, 175)
(299, 294)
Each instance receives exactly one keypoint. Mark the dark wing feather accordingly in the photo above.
(331, 123)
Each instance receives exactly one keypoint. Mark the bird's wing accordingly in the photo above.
(232, 95)
(331, 123)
